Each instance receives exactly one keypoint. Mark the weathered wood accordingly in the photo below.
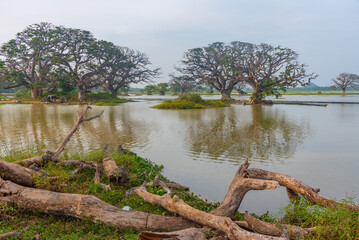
(114, 173)
(97, 178)
(87, 207)
(80, 168)
(309, 193)
(75, 162)
(9, 234)
(293, 232)
(291, 194)
(240, 185)
(54, 156)
(30, 161)
(185, 234)
(156, 183)
(224, 224)
(17, 173)
(80, 119)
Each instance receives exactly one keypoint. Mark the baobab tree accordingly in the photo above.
(269, 70)
(218, 65)
(345, 80)
(29, 59)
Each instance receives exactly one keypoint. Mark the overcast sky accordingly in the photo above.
(325, 33)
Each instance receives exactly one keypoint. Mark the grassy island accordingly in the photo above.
(191, 101)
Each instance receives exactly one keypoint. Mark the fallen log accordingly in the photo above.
(54, 156)
(240, 185)
(9, 234)
(97, 178)
(87, 207)
(291, 231)
(114, 173)
(80, 168)
(186, 234)
(296, 186)
(178, 206)
(17, 173)
(158, 183)
(75, 162)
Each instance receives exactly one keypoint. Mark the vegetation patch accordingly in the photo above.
(340, 223)
(191, 101)
(35, 225)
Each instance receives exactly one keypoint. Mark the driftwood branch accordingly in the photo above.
(114, 173)
(80, 168)
(54, 156)
(186, 234)
(81, 118)
(97, 178)
(156, 183)
(296, 186)
(239, 187)
(9, 234)
(17, 173)
(178, 206)
(76, 162)
(87, 207)
(293, 232)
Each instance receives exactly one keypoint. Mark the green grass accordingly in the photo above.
(191, 101)
(330, 223)
(340, 223)
(31, 223)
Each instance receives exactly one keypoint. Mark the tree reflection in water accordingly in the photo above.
(259, 133)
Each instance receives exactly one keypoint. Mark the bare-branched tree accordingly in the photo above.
(345, 80)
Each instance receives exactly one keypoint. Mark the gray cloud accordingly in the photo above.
(324, 32)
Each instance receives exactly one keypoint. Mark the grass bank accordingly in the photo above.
(329, 223)
(43, 226)
(97, 98)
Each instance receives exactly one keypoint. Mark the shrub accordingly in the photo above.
(192, 97)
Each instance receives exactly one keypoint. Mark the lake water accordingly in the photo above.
(202, 149)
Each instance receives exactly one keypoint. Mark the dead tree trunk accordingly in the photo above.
(296, 186)
(239, 187)
(291, 231)
(224, 224)
(54, 156)
(186, 234)
(86, 206)
(17, 173)
(114, 173)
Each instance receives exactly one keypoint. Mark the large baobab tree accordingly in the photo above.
(29, 58)
(345, 80)
(124, 66)
(269, 70)
(217, 65)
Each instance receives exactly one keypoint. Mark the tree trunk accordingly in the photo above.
(186, 234)
(226, 94)
(239, 187)
(81, 93)
(17, 173)
(309, 193)
(210, 91)
(293, 232)
(224, 224)
(114, 173)
(35, 93)
(87, 207)
(344, 90)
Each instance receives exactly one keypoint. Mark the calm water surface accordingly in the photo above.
(202, 149)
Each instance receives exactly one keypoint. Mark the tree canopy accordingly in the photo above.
(43, 55)
(345, 80)
(266, 69)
